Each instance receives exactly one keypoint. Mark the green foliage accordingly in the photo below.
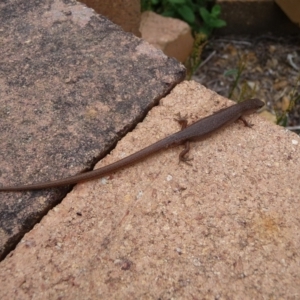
(195, 12)
(211, 19)
(201, 15)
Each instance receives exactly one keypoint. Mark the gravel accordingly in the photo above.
(271, 70)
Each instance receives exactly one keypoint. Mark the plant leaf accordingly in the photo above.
(230, 72)
(216, 10)
(204, 13)
(177, 1)
(186, 13)
(218, 23)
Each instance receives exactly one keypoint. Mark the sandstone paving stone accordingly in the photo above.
(72, 83)
(224, 227)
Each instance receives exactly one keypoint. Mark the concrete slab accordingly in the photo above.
(225, 227)
(170, 35)
(72, 83)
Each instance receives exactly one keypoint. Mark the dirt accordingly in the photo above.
(271, 70)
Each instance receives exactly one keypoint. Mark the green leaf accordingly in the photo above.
(218, 23)
(233, 72)
(169, 13)
(177, 1)
(204, 13)
(210, 20)
(216, 10)
(191, 4)
(186, 13)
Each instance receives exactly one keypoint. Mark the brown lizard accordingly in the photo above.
(197, 131)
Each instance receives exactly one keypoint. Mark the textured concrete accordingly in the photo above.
(171, 35)
(225, 227)
(71, 85)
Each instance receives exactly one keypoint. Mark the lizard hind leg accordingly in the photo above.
(182, 156)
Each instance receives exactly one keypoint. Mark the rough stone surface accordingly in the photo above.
(125, 13)
(171, 35)
(225, 227)
(71, 85)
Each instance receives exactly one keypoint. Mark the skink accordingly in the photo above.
(197, 131)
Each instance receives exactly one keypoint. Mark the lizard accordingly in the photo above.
(199, 130)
